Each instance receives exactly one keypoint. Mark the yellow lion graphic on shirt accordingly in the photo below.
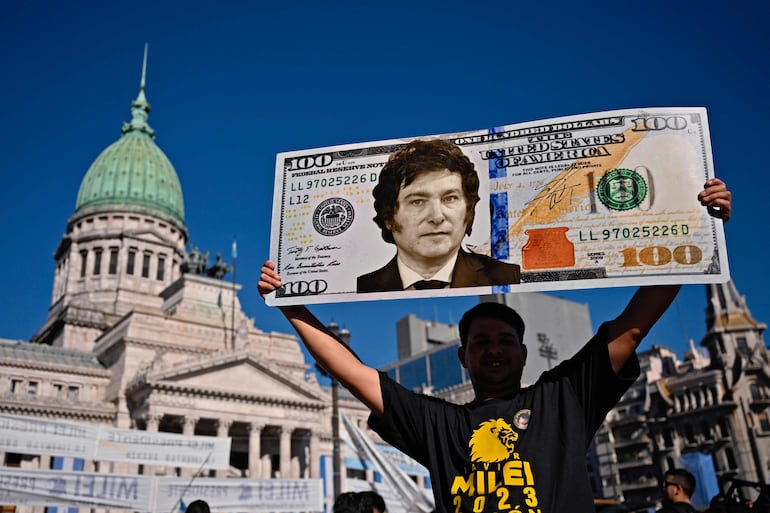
(492, 441)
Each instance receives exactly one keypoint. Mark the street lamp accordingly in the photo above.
(343, 335)
(547, 350)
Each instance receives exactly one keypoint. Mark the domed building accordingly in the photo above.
(142, 334)
(125, 241)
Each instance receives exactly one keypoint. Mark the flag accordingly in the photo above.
(235, 249)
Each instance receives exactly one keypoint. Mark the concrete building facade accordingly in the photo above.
(712, 408)
(143, 333)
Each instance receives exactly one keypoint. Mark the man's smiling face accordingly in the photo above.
(494, 356)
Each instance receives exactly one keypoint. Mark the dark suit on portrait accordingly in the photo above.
(471, 270)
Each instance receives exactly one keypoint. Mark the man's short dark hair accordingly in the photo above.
(684, 478)
(198, 506)
(358, 502)
(495, 311)
(408, 163)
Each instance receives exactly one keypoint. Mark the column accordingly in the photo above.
(315, 456)
(153, 421)
(255, 451)
(285, 456)
(188, 429)
(45, 462)
(223, 430)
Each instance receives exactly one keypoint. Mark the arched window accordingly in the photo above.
(161, 271)
(131, 261)
(146, 264)
(83, 262)
(97, 261)
(112, 266)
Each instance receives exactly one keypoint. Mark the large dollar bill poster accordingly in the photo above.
(595, 200)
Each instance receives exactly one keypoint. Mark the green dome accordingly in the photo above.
(133, 171)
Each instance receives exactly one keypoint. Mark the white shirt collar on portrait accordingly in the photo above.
(409, 277)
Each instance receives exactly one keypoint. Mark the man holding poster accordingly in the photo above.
(511, 448)
(425, 202)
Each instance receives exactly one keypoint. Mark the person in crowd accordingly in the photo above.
(678, 487)
(359, 502)
(198, 506)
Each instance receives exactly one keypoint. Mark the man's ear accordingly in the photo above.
(461, 355)
(524, 353)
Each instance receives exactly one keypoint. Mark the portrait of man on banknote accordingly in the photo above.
(425, 203)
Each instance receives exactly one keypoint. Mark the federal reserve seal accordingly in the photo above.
(333, 216)
(621, 189)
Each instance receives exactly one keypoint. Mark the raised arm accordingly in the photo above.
(649, 303)
(339, 361)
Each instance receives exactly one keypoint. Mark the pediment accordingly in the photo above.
(147, 235)
(236, 374)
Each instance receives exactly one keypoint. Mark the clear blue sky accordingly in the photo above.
(233, 83)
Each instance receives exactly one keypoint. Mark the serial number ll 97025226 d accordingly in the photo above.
(333, 181)
(635, 232)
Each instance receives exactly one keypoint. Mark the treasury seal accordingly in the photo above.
(621, 189)
(333, 216)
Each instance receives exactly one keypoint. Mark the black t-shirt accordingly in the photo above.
(527, 452)
(677, 507)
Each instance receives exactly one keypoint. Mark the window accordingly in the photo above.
(97, 262)
(58, 388)
(705, 429)
(146, 265)
(161, 268)
(113, 265)
(689, 433)
(73, 393)
(743, 346)
(131, 261)
(32, 387)
(731, 461)
(83, 262)
(764, 421)
(16, 385)
(756, 392)
(724, 429)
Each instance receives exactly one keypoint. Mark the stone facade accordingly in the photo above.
(133, 341)
(715, 406)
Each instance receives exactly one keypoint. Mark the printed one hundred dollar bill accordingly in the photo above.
(595, 200)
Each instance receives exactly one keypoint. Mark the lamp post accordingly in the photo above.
(547, 350)
(343, 335)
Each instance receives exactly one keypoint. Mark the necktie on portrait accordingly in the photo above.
(430, 284)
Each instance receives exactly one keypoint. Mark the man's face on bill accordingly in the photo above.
(430, 219)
